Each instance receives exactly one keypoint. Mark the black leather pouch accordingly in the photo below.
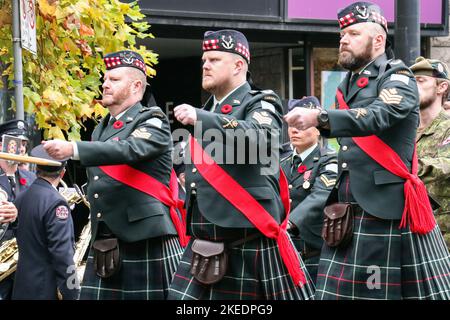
(209, 261)
(106, 257)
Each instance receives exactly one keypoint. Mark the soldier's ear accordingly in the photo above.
(137, 85)
(239, 65)
(379, 41)
(443, 87)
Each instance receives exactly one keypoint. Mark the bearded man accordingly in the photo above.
(381, 238)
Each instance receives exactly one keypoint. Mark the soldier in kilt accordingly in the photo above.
(390, 246)
(135, 227)
(433, 136)
(222, 195)
(311, 170)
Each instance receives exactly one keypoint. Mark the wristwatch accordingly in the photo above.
(322, 118)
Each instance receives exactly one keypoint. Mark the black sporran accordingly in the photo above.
(106, 257)
(209, 261)
(337, 227)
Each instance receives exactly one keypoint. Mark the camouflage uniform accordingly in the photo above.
(433, 151)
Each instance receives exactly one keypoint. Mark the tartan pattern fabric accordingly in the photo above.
(146, 272)
(379, 19)
(242, 49)
(385, 262)
(212, 44)
(255, 272)
(347, 20)
(311, 263)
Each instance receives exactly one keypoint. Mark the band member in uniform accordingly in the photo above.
(239, 248)
(135, 226)
(45, 238)
(311, 170)
(433, 136)
(382, 241)
(13, 181)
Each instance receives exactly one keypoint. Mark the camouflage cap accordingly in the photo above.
(430, 67)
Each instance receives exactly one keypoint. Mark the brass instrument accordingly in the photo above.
(81, 247)
(9, 254)
(73, 196)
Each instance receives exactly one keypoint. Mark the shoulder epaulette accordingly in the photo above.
(155, 111)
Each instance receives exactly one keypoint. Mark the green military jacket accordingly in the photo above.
(143, 141)
(433, 151)
(310, 195)
(387, 106)
(244, 111)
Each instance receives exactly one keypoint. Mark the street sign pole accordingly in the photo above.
(407, 30)
(17, 49)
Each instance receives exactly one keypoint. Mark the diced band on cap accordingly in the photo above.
(228, 41)
(126, 58)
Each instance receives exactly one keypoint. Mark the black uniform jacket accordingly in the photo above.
(247, 161)
(142, 139)
(388, 107)
(310, 194)
(45, 239)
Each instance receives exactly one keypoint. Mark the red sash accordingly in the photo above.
(226, 186)
(149, 185)
(417, 212)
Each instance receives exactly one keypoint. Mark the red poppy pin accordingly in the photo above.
(118, 124)
(362, 82)
(23, 181)
(302, 169)
(226, 109)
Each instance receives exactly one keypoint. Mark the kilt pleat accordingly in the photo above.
(311, 263)
(146, 272)
(255, 272)
(385, 262)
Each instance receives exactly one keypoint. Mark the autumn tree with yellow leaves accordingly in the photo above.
(62, 81)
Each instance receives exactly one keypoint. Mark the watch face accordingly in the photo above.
(323, 117)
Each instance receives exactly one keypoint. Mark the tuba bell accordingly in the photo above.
(73, 195)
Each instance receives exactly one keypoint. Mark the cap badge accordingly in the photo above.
(440, 67)
(128, 58)
(227, 44)
(20, 125)
(362, 12)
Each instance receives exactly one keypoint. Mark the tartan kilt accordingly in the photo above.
(255, 272)
(385, 262)
(311, 263)
(146, 271)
